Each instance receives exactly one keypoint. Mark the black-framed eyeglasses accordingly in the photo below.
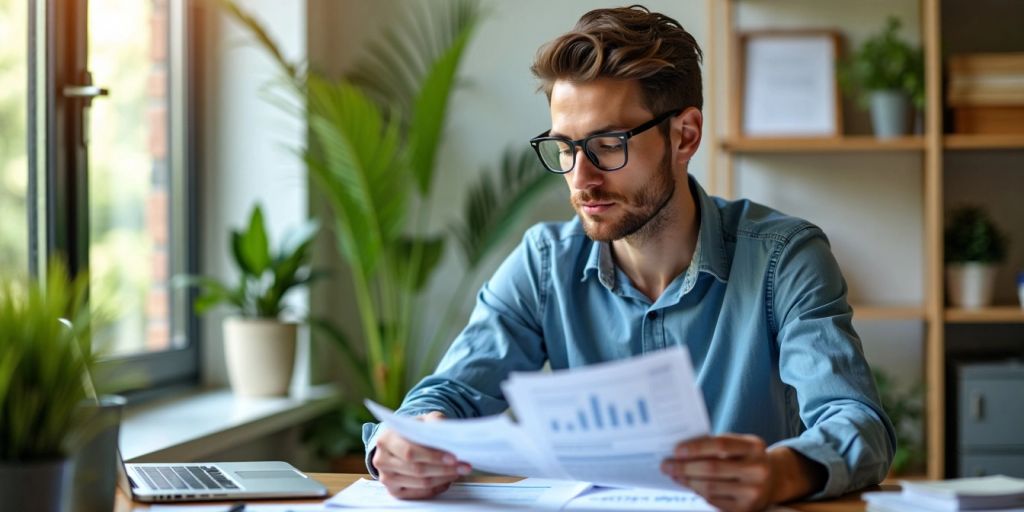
(608, 151)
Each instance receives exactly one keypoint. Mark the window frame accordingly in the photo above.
(58, 174)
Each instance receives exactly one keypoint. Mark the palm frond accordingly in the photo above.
(414, 70)
(495, 207)
(355, 159)
(263, 38)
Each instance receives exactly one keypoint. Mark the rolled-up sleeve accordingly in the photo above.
(503, 335)
(821, 358)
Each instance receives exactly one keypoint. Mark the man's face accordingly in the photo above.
(613, 205)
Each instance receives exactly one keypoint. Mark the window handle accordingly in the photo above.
(85, 91)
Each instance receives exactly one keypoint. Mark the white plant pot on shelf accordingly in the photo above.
(970, 285)
(260, 355)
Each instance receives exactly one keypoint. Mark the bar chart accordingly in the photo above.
(600, 415)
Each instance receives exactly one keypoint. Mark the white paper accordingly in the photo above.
(897, 502)
(493, 444)
(530, 493)
(606, 498)
(613, 424)
(610, 424)
(249, 507)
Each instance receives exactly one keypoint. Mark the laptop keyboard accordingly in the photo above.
(185, 478)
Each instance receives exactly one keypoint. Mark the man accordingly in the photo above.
(650, 261)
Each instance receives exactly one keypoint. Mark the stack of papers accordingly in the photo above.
(984, 493)
(527, 494)
(609, 424)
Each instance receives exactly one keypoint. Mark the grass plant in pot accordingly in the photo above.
(259, 343)
(887, 74)
(974, 247)
(42, 365)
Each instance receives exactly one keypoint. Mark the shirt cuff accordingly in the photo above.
(838, 474)
(371, 431)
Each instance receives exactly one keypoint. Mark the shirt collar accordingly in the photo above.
(709, 255)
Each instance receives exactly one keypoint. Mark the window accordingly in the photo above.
(116, 171)
(14, 251)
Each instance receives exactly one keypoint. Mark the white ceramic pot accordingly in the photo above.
(260, 355)
(970, 285)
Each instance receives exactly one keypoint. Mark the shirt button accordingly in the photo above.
(652, 315)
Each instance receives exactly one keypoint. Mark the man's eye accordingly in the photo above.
(610, 146)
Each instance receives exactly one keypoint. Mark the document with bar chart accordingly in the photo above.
(613, 423)
(609, 424)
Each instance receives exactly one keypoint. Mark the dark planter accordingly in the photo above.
(39, 486)
(95, 471)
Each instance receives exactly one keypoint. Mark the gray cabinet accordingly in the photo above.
(990, 422)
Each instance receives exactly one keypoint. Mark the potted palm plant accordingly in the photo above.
(45, 353)
(374, 136)
(259, 344)
(973, 248)
(888, 76)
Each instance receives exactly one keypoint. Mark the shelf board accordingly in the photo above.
(829, 144)
(960, 141)
(989, 315)
(874, 312)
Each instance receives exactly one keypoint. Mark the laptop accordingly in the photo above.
(200, 481)
(203, 481)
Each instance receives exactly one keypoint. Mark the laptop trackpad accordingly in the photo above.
(256, 475)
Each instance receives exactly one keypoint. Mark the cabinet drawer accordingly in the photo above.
(991, 406)
(988, 464)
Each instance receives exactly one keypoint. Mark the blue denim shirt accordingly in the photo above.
(762, 309)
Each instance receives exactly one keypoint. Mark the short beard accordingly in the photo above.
(635, 225)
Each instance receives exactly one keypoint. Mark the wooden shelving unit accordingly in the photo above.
(853, 143)
(932, 145)
(887, 312)
(990, 315)
(968, 142)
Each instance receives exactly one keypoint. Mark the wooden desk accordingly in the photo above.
(337, 481)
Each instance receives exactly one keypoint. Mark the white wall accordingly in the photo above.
(869, 204)
(246, 146)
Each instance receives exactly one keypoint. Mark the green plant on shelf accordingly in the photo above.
(972, 236)
(885, 62)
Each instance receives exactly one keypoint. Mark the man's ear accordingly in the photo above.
(687, 128)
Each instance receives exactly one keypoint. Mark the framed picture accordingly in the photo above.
(788, 84)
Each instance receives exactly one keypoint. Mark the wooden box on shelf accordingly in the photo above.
(986, 93)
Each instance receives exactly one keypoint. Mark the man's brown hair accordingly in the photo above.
(627, 43)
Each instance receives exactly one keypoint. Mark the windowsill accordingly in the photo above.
(197, 425)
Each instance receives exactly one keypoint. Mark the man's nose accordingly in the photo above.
(585, 174)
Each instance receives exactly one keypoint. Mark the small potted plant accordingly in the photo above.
(259, 344)
(973, 248)
(888, 76)
(45, 353)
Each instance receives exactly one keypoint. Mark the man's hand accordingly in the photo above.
(410, 471)
(736, 473)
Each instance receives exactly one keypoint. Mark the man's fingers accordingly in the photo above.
(737, 470)
(392, 464)
(728, 496)
(408, 451)
(393, 480)
(728, 445)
